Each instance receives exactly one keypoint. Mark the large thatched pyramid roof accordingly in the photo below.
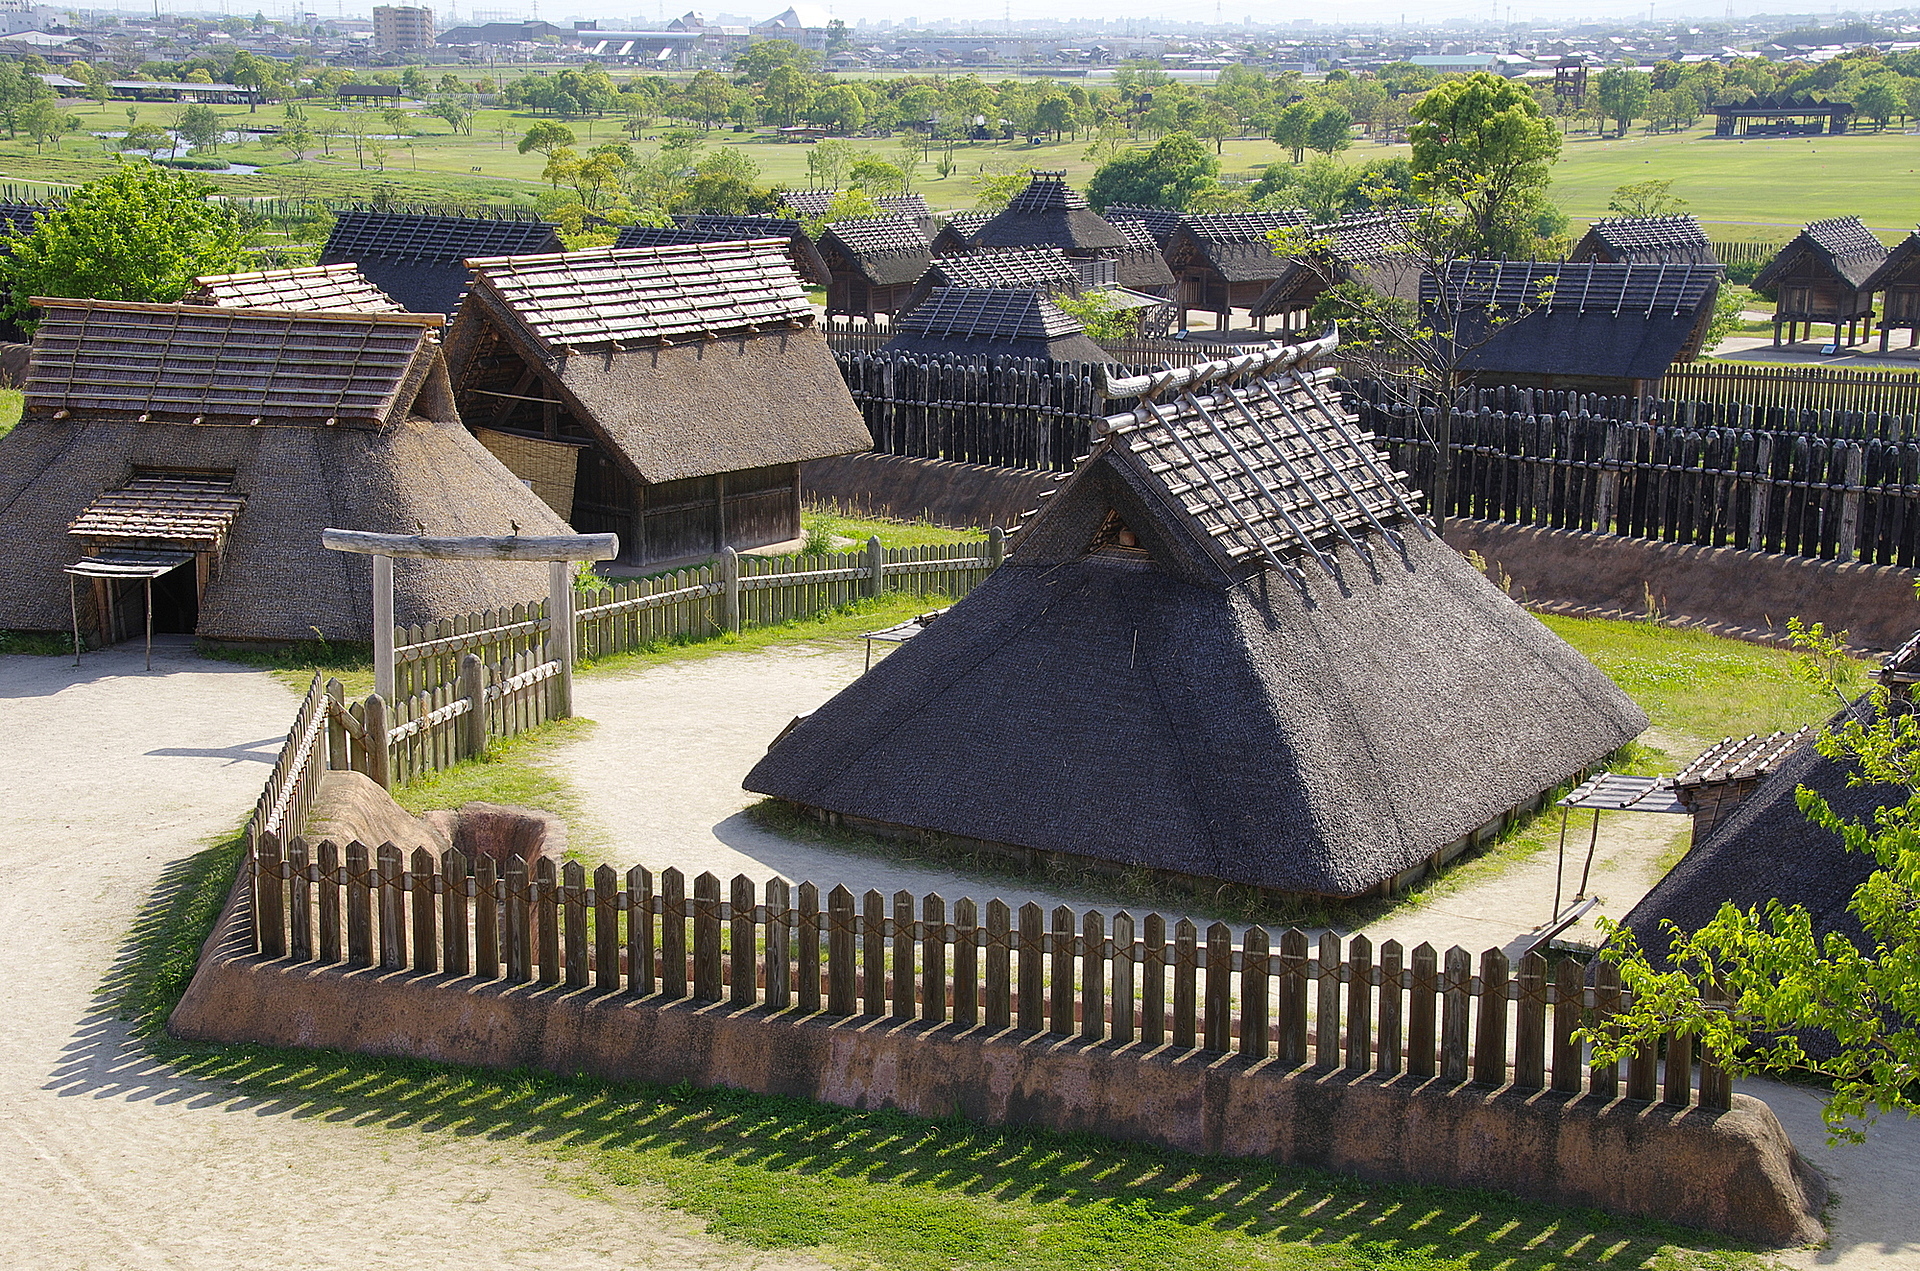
(286, 423)
(1050, 213)
(1228, 648)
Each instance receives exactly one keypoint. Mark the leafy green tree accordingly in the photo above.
(546, 137)
(1776, 975)
(828, 161)
(457, 114)
(708, 98)
(1625, 95)
(838, 40)
(1100, 313)
(296, 139)
(1880, 99)
(19, 89)
(756, 63)
(1331, 131)
(841, 107)
(200, 126)
(788, 91)
(1170, 175)
(1646, 198)
(1293, 127)
(877, 176)
(138, 233)
(1480, 143)
(148, 138)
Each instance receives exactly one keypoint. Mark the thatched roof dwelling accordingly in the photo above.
(225, 440)
(873, 264)
(687, 383)
(810, 204)
(1050, 213)
(1225, 261)
(1593, 327)
(1898, 279)
(419, 258)
(993, 322)
(1229, 649)
(318, 289)
(1645, 240)
(1367, 249)
(710, 228)
(957, 231)
(1821, 277)
(1766, 849)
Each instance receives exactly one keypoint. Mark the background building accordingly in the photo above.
(401, 27)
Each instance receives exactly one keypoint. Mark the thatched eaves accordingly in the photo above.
(317, 289)
(732, 229)
(1369, 249)
(1902, 266)
(956, 234)
(1844, 246)
(1233, 245)
(102, 359)
(1562, 318)
(1160, 222)
(1645, 240)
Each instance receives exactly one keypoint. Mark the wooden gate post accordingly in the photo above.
(1849, 543)
(729, 589)
(473, 687)
(383, 669)
(560, 633)
(876, 566)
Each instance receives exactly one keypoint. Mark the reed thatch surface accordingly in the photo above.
(1645, 240)
(1129, 689)
(319, 288)
(1050, 213)
(1843, 246)
(993, 322)
(419, 258)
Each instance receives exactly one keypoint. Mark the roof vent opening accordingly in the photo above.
(1114, 541)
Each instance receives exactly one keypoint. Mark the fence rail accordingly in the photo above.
(1817, 388)
(1091, 975)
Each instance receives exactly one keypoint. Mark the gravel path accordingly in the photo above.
(108, 1160)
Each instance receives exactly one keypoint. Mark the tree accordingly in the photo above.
(1100, 313)
(200, 126)
(708, 98)
(457, 114)
(1331, 131)
(147, 138)
(1624, 94)
(296, 139)
(138, 233)
(827, 163)
(1293, 128)
(1775, 975)
(1880, 99)
(787, 92)
(546, 137)
(838, 41)
(1646, 198)
(1170, 175)
(756, 63)
(44, 121)
(1481, 143)
(876, 176)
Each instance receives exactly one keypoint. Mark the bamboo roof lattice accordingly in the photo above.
(203, 364)
(163, 508)
(319, 289)
(608, 296)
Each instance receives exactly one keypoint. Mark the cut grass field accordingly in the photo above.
(884, 1190)
(12, 400)
(1754, 190)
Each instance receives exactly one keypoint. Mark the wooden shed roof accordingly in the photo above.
(1049, 213)
(1160, 221)
(199, 363)
(424, 236)
(319, 289)
(1646, 240)
(733, 229)
(1026, 267)
(610, 297)
(1843, 245)
(885, 250)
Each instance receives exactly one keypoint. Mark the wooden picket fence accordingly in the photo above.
(731, 594)
(1835, 388)
(1794, 493)
(1088, 975)
(1855, 425)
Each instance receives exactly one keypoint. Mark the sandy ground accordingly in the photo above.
(109, 1161)
(661, 776)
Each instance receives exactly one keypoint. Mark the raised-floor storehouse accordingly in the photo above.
(873, 264)
(1225, 261)
(1897, 281)
(1821, 278)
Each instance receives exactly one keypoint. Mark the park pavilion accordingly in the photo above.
(1225, 260)
(1898, 281)
(316, 289)
(419, 258)
(1228, 649)
(1645, 240)
(712, 228)
(873, 264)
(1589, 327)
(1821, 277)
(979, 322)
(203, 449)
(687, 383)
(1370, 250)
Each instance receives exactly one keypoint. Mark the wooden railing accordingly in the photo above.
(1090, 975)
(1833, 388)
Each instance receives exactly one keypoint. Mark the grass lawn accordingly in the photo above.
(12, 400)
(825, 523)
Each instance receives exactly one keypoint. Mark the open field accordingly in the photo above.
(1757, 190)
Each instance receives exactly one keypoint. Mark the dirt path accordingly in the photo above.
(662, 774)
(108, 1160)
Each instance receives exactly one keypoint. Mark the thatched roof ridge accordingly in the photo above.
(885, 251)
(318, 288)
(704, 227)
(955, 236)
(609, 297)
(1160, 222)
(1843, 245)
(1645, 240)
(1574, 318)
(95, 359)
(1122, 691)
(993, 321)
(1030, 267)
